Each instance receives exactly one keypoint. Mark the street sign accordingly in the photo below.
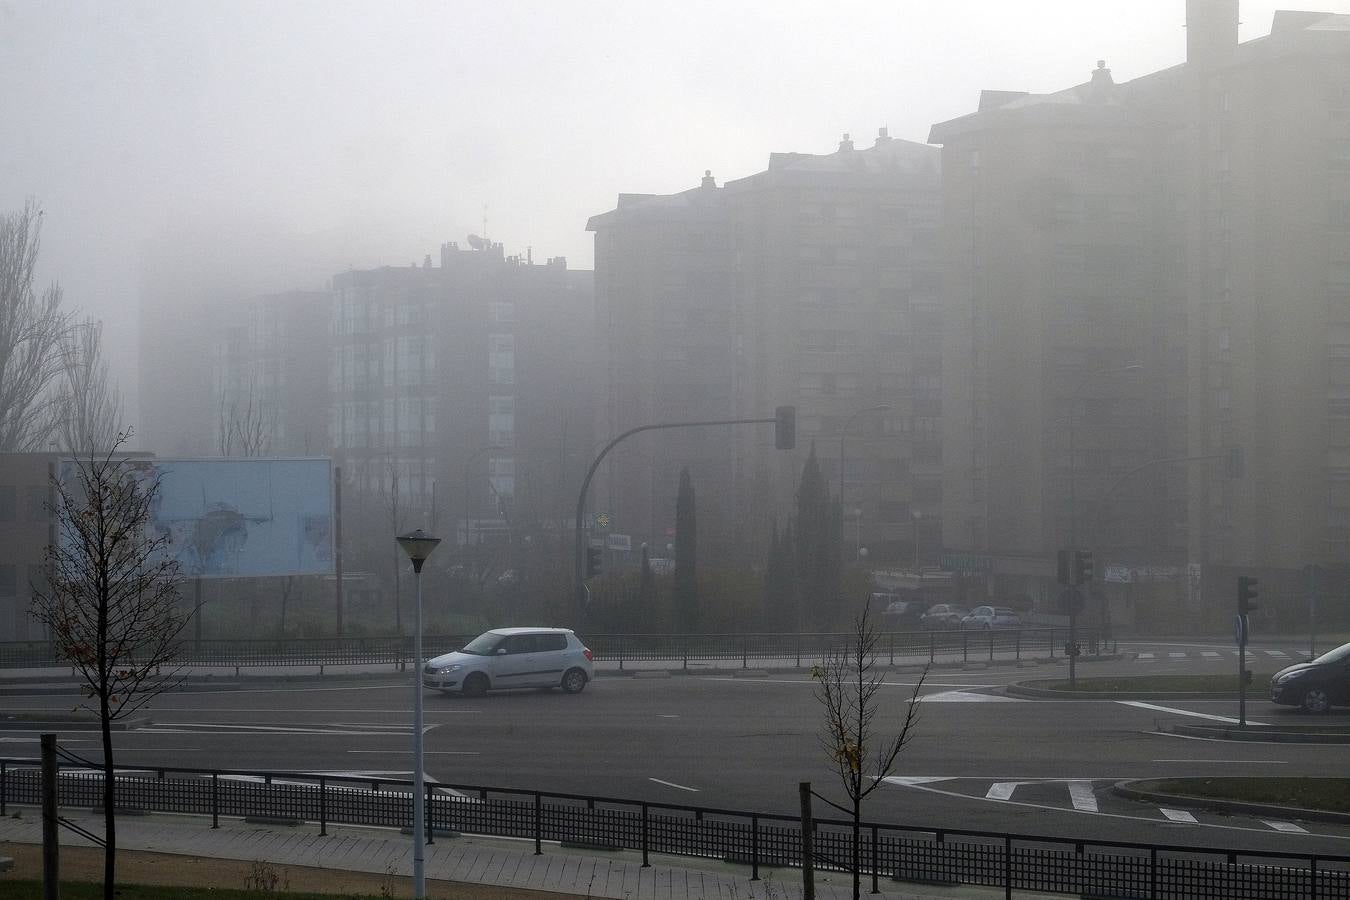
(619, 542)
(1240, 630)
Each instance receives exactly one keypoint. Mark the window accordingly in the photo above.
(37, 503)
(7, 503)
(504, 312)
(551, 641)
(8, 582)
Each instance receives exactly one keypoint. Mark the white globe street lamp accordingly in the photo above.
(418, 546)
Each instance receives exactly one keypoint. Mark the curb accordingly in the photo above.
(1030, 690)
(1130, 790)
(1273, 733)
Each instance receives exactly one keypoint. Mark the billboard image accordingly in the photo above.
(240, 518)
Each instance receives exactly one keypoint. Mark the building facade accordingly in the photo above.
(1141, 316)
(813, 283)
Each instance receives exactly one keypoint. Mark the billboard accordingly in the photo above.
(242, 518)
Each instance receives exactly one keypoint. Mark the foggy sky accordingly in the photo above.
(274, 144)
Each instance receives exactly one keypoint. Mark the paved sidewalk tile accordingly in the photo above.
(471, 859)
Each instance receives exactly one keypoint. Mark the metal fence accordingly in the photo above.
(904, 853)
(684, 649)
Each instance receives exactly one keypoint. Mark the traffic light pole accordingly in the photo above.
(579, 557)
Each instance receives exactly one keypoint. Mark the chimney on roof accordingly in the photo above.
(1211, 31)
(1101, 83)
(883, 135)
(708, 181)
(845, 144)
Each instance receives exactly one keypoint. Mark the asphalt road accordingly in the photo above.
(978, 759)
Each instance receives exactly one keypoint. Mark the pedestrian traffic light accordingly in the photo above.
(1082, 567)
(785, 427)
(594, 556)
(1246, 595)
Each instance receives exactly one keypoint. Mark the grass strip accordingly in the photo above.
(1324, 794)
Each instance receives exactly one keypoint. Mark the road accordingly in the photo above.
(979, 759)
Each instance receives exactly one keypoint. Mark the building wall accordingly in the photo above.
(25, 532)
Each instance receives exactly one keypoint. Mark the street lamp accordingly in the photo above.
(916, 516)
(843, 432)
(418, 546)
(857, 533)
(1073, 501)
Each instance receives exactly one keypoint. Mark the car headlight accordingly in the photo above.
(446, 670)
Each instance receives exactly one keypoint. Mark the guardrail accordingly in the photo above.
(895, 646)
(903, 853)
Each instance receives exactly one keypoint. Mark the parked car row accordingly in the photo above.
(947, 616)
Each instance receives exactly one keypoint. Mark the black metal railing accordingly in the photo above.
(905, 853)
(896, 647)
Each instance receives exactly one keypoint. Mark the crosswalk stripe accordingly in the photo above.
(1289, 827)
(1001, 790)
(1275, 653)
(1213, 654)
(1179, 815)
(1178, 655)
(1145, 656)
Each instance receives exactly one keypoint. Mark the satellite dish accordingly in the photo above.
(476, 242)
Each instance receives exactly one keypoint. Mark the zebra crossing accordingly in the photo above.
(1084, 795)
(1285, 657)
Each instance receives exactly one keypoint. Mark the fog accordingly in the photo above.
(261, 146)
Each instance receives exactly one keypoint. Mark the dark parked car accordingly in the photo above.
(1315, 686)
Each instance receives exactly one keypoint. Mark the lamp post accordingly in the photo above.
(857, 533)
(915, 515)
(418, 546)
(843, 432)
(1073, 502)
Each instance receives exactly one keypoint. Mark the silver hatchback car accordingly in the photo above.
(513, 658)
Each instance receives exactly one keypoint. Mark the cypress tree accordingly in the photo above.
(686, 557)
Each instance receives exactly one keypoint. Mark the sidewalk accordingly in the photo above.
(477, 860)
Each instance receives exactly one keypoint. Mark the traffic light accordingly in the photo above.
(594, 556)
(1246, 595)
(1082, 567)
(785, 427)
(1064, 567)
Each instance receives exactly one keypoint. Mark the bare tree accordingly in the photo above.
(110, 603)
(243, 428)
(849, 689)
(88, 411)
(31, 330)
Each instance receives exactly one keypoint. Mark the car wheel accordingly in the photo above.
(1316, 700)
(475, 685)
(574, 681)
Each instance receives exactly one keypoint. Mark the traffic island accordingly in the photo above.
(1139, 687)
(1314, 799)
(1281, 733)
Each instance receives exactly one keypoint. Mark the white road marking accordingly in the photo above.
(1275, 653)
(1140, 704)
(1179, 815)
(956, 795)
(1178, 655)
(1288, 827)
(1002, 790)
(809, 681)
(1080, 792)
(966, 697)
(1211, 654)
(674, 785)
(666, 716)
(239, 728)
(907, 780)
(1193, 737)
(1147, 656)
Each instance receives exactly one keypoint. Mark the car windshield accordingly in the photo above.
(482, 645)
(1340, 654)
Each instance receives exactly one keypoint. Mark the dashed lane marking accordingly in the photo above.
(1211, 654)
(1288, 827)
(1179, 815)
(1177, 655)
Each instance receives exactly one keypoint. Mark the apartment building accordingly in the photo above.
(1146, 285)
(460, 391)
(813, 283)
